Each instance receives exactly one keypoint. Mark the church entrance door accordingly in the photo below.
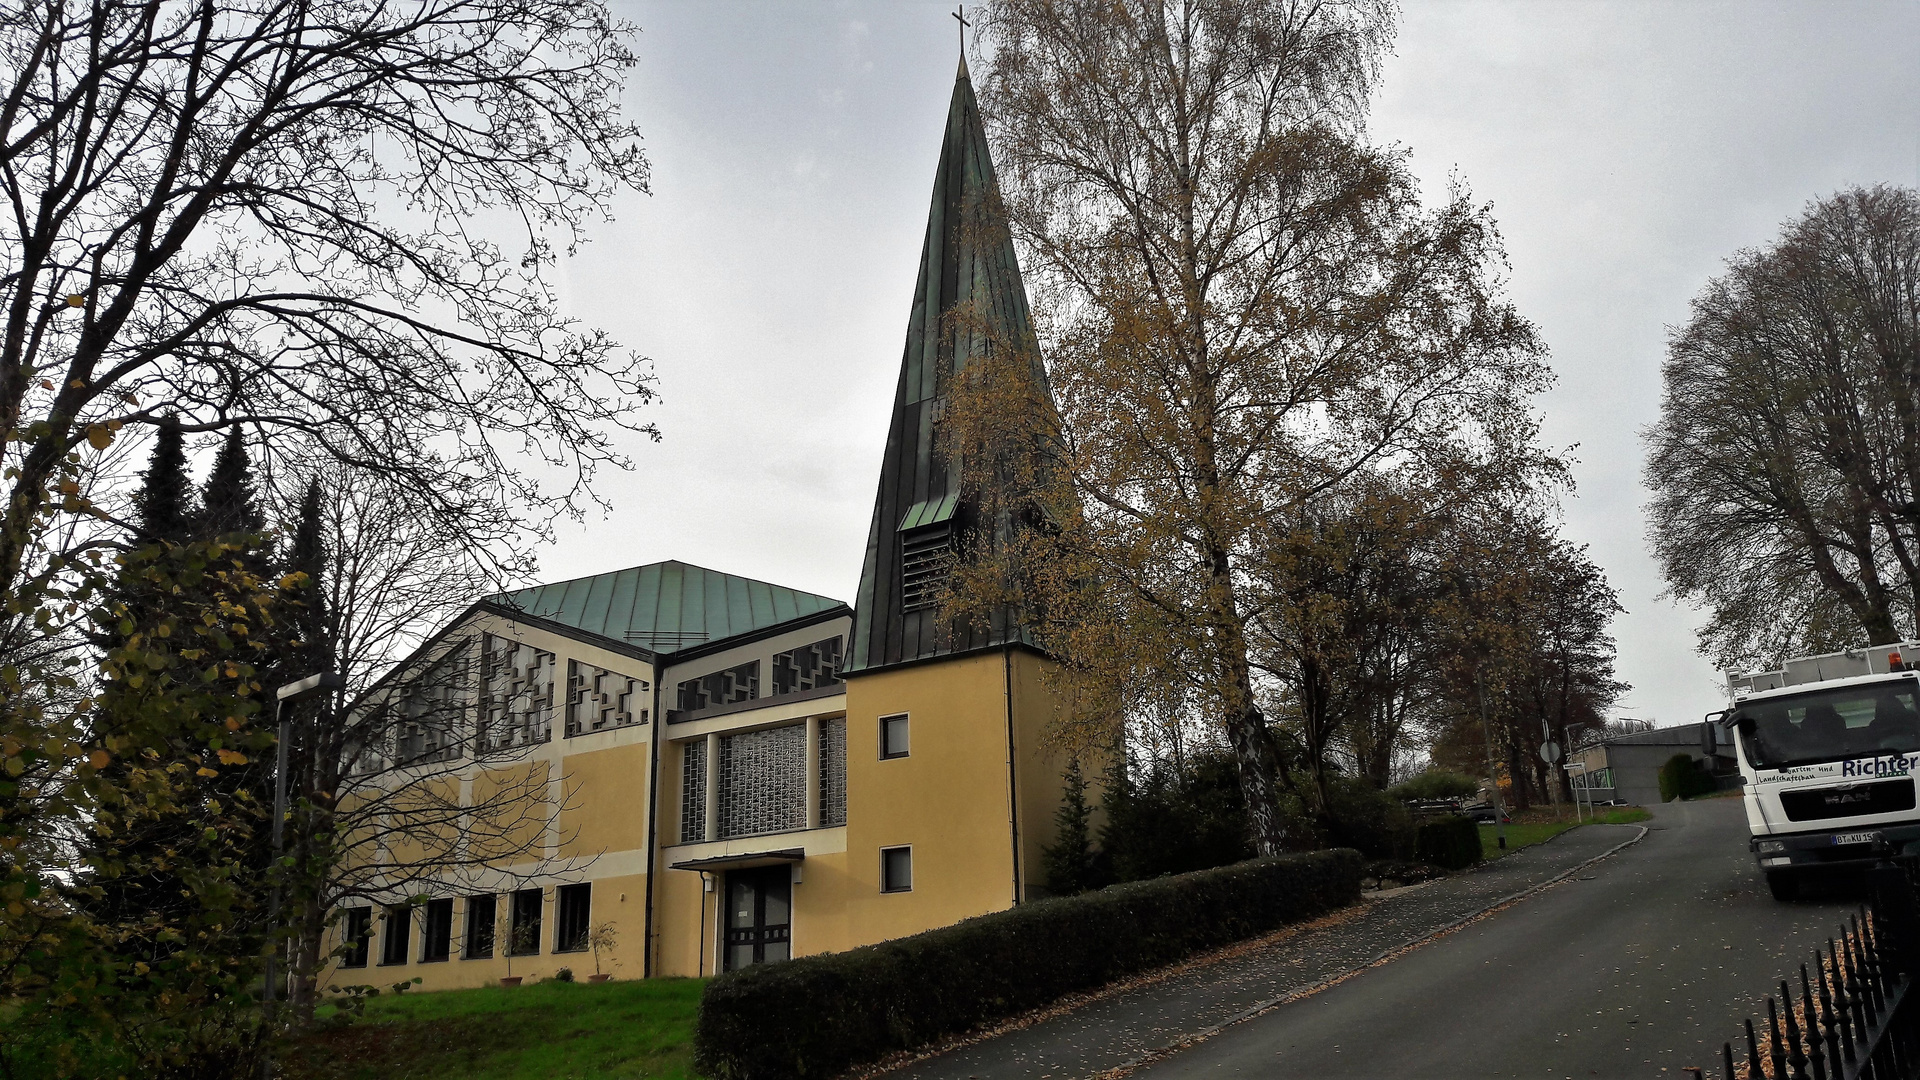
(759, 915)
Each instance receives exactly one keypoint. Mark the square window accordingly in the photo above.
(893, 736)
(896, 869)
(357, 932)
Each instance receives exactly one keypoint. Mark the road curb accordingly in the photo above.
(1384, 955)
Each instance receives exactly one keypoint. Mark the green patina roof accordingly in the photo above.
(968, 301)
(665, 606)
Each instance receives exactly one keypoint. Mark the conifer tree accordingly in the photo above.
(160, 508)
(307, 555)
(1069, 860)
(228, 503)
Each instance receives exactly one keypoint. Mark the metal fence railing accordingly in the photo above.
(1856, 1015)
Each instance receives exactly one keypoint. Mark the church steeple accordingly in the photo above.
(968, 301)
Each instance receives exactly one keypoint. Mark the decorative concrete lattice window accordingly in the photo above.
(763, 781)
(693, 791)
(808, 667)
(721, 688)
(434, 710)
(519, 694)
(833, 772)
(598, 699)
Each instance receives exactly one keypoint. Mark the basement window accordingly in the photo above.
(398, 929)
(526, 923)
(481, 911)
(358, 933)
(575, 904)
(436, 937)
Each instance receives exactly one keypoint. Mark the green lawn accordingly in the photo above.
(1527, 833)
(633, 1030)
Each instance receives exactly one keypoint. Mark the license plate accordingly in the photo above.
(1855, 838)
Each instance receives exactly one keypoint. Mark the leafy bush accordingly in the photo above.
(1452, 842)
(1172, 821)
(816, 1016)
(1368, 820)
(1436, 784)
(1684, 777)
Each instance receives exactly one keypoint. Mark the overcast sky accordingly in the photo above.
(1626, 149)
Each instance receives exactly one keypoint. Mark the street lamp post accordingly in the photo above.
(312, 685)
(1493, 776)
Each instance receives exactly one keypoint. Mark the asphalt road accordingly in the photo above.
(1642, 964)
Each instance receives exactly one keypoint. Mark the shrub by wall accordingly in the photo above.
(1452, 842)
(815, 1016)
(1435, 784)
(1371, 821)
(1684, 777)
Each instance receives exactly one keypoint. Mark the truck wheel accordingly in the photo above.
(1784, 884)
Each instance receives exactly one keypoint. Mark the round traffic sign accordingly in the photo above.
(1549, 751)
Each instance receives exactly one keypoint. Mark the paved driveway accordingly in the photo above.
(1641, 964)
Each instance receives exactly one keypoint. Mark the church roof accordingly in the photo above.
(665, 607)
(967, 266)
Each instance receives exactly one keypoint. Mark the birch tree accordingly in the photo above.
(1243, 306)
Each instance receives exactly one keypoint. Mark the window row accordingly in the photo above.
(479, 938)
(513, 687)
(808, 667)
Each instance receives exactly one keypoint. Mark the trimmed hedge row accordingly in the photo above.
(1451, 843)
(818, 1015)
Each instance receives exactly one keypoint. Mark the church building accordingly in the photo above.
(738, 772)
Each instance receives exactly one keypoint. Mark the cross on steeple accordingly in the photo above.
(961, 15)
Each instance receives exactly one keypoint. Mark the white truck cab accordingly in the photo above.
(1828, 748)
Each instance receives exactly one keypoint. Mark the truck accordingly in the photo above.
(1828, 746)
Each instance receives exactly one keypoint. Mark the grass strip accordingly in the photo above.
(1522, 834)
(633, 1030)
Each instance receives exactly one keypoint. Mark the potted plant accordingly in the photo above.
(519, 939)
(601, 936)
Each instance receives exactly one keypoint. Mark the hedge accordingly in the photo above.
(1451, 842)
(816, 1016)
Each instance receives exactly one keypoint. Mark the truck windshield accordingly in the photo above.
(1830, 725)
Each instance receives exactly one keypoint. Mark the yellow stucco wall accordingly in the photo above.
(949, 799)
(516, 808)
(1040, 770)
(605, 807)
(684, 930)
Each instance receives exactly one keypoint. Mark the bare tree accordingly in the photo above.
(423, 778)
(1786, 462)
(1243, 305)
(287, 213)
